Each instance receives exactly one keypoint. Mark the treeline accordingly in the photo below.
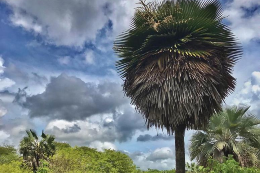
(69, 159)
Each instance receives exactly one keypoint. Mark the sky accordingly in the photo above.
(57, 74)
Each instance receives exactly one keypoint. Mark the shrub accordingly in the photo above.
(228, 166)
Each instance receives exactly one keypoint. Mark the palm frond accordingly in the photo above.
(176, 61)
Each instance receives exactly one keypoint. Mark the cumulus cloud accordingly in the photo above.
(250, 94)
(4, 137)
(101, 146)
(161, 154)
(89, 57)
(147, 137)
(70, 22)
(2, 67)
(70, 98)
(4, 82)
(3, 110)
(242, 15)
(160, 158)
(120, 126)
(64, 60)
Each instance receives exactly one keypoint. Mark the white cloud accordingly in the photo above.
(89, 57)
(3, 110)
(160, 158)
(245, 28)
(4, 137)
(4, 82)
(101, 127)
(25, 21)
(161, 154)
(65, 22)
(64, 60)
(87, 132)
(72, 22)
(101, 146)
(2, 67)
(250, 94)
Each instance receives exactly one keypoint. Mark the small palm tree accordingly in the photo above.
(231, 131)
(176, 63)
(33, 150)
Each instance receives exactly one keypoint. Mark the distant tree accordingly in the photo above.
(8, 154)
(232, 131)
(61, 145)
(176, 61)
(33, 150)
(119, 161)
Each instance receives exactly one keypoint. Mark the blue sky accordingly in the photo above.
(57, 73)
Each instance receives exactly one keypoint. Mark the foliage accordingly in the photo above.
(157, 171)
(84, 159)
(7, 154)
(33, 150)
(14, 167)
(231, 131)
(176, 62)
(228, 166)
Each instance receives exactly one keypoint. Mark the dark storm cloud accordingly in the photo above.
(147, 137)
(21, 96)
(70, 98)
(128, 123)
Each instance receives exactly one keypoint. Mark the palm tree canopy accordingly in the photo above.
(176, 62)
(33, 149)
(232, 131)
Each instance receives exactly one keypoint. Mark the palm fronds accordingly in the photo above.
(176, 61)
(232, 131)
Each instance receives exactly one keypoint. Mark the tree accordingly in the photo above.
(7, 154)
(33, 150)
(231, 131)
(176, 62)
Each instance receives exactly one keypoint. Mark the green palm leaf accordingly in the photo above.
(241, 140)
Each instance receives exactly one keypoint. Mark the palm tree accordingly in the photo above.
(231, 131)
(176, 62)
(33, 149)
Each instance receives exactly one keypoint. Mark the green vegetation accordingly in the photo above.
(229, 165)
(67, 159)
(33, 150)
(230, 132)
(176, 61)
(7, 154)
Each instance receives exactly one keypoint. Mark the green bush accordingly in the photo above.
(8, 154)
(14, 167)
(157, 171)
(84, 159)
(228, 166)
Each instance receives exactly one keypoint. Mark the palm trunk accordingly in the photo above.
(180, 149)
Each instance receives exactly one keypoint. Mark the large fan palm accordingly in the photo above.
(176, 63)
(231, 131)
(33, 149)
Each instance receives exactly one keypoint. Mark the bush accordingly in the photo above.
(228, 166)
(84, 159)
(14, 167)
(7, 154)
